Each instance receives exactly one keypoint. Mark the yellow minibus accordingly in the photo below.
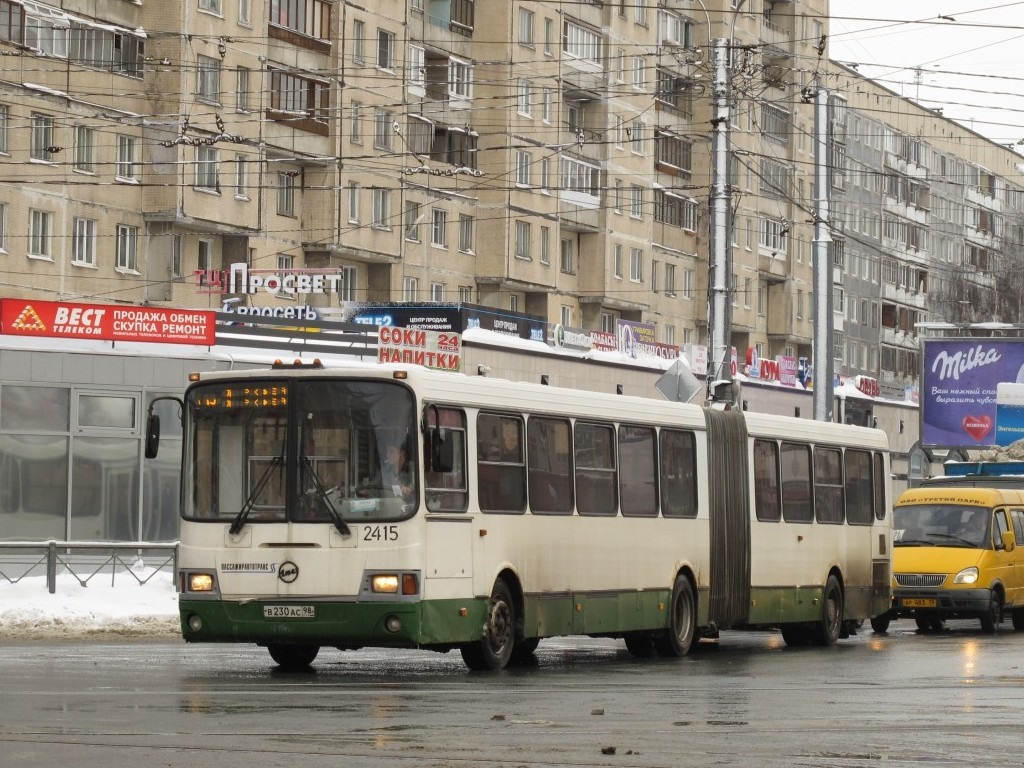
(957, 554)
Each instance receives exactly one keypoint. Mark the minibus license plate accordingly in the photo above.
(289, 612)
(918, 602)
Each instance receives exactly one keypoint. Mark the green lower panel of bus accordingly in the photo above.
(394, 624)
(770, 606)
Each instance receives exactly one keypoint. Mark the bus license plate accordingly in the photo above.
(289, 612)
(919, 602)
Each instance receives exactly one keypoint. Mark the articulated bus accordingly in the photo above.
(522, 512)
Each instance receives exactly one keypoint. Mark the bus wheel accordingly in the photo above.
(678, 637)
(880, 624)
(826, 631)
(494, 649)
(990, 620)
(293, 656)
(640, 644)
(1018, 618)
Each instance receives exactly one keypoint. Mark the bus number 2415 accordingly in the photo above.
(380, 533)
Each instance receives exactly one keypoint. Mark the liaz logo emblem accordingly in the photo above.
(288, 572)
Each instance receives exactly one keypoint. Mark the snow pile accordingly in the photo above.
(100, 610)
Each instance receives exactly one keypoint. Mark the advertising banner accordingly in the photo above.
(106, 322)
(959, 391)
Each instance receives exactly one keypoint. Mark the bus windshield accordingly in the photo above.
(940, 525)
(312, 450)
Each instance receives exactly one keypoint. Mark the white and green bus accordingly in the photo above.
(524, 512)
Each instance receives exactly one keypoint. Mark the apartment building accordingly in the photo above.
(541, 157)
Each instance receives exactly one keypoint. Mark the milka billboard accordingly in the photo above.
(959, 403)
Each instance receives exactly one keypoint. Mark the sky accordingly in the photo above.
(958, 55)
(100, 610)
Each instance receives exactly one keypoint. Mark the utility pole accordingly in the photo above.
(823, 320)
(719, 380)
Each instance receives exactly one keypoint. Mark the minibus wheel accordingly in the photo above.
(290, 656)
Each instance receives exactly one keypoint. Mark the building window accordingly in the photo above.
(241, 178)
(466, 294)
(566, 260)
(410, 287)
(439, 227)
(204, 255)
(39, 233)
(307, 17)
(176, 265)
(213, 6)
(526, 27)
(582, 43)
(207, 175)
(126, 161)
(636, 265)
(293, 95)
(358, 44)
(83, 242)
(85, 149)
(127, 248)
(385, 50)
(523, 105)
(617, 261)
(353, 203)
(5, 115)
(411, 221)
(687, 288)
(636, 137)
(523, 161)
(545, 245)
(355, 129)
(286, 193)
(437, 292)
(638, 72)
(670, 279)
(382, 129)
(416, 65)
(242, 89)
(466, 225)
(42, 137)
(673, 151)
(636, 201)
(244, 13)
(381, 208)
(523, 238)
(208, 79)
(349, 283)
(460, 79)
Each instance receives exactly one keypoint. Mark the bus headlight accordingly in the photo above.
(384, 582)
(200, 582)
(966, 576)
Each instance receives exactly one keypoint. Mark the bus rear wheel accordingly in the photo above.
(682, 623)
(494, 649)
(289, 656)
(828, 628)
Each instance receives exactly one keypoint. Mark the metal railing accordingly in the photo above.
(84, 560)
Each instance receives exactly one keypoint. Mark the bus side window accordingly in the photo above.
(596, 489)
(797, 504)
(678, 473)
(447, 491)
(767, 504)
(501, 469)
(638, 485)
(1017, 515)
(859, 493)
(549, 451)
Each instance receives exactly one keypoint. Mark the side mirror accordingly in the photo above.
(1007, 542)
(152, 435)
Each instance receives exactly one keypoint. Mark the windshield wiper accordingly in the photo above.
(321, 494)
(254, 494)
(954, 537)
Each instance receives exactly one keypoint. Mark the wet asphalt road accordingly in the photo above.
(900, 699)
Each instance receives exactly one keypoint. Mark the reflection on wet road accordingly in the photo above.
(899, 699)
